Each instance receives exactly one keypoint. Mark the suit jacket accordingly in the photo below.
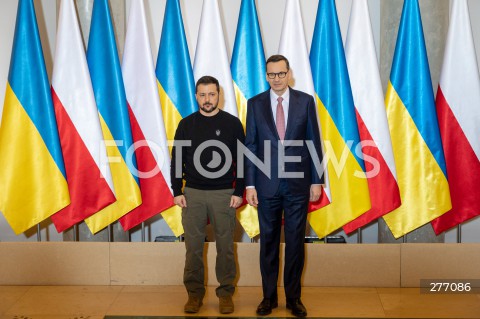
(302, 126)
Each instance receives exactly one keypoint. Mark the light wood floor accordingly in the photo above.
(94, 302)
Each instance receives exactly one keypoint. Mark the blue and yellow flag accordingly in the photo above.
(107, 83)
(248, 73)
(417, 147)
(176, 86)
(346, 170)
(32, 173)
(248, 58)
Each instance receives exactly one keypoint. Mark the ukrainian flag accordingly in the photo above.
(248, 73)
(417, 147)
(107, 83)
(347, 180)
(176, 86)
(32, 174)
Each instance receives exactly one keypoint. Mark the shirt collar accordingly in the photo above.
(285, 96)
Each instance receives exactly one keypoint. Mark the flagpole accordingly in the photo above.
(359, 235)
(325, 239)
(143, 232)
(75, 229)
(459, 233)
(39, 235)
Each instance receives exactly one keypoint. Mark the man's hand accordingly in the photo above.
(315, 192)
(180, 201)
(236, 201)
(252, 197)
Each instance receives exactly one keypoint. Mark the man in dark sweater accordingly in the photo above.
(204, 155)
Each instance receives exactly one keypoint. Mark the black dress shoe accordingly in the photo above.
(266, 306)
(297, 307)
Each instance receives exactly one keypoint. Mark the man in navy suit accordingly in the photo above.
(282, 128)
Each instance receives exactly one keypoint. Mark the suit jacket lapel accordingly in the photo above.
(291, 112)
(267, 113)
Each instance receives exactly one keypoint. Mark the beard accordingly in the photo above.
(205, 107)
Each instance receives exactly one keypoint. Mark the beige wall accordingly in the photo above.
(328, 265)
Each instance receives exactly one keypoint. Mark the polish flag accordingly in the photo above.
(371, 117)
(458, 110)
(211, 56)
(293, 46)
(146, 119)
(88, 174)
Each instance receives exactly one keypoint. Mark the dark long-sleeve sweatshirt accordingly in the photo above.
(208, 171)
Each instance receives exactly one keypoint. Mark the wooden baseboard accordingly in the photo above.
(330, 265)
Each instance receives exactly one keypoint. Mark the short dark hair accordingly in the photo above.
(207, 79)
(278, 58)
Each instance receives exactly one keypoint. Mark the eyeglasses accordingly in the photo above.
(281, 75)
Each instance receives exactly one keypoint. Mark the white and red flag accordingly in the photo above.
(88, 173)
(294, 47)
(211, 56)
(146, 119)
(458, 111)
(371, 117)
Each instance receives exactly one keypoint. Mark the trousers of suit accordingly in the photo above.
(294, 208)
(276, 194)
